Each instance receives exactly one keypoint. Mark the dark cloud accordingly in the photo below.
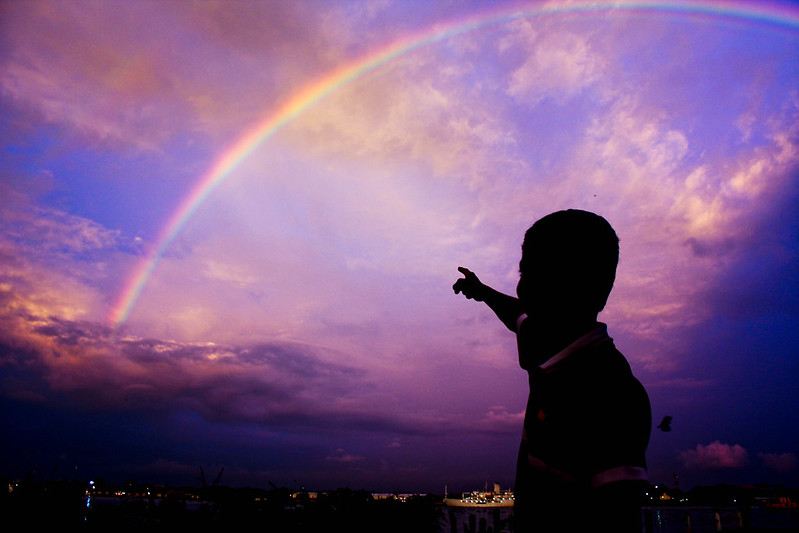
(81, 399)
(764, 278)
(741, 362)
(781, 462)
(709, 248)
(280, 384)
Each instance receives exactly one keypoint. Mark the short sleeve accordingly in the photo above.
(620, 434)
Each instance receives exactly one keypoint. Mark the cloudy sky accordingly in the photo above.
(294, 322)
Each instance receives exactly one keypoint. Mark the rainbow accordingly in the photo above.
(775, 14)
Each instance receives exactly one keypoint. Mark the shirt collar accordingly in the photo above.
(594, 337)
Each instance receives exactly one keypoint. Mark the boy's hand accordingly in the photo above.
(469, 285)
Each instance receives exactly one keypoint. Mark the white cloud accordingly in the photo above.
(558, 64)
(55, 263)
(715, 455)
(499, 419)
(413, 114)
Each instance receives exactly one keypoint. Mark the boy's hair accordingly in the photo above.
(576, 253)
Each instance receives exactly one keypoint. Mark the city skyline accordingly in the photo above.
(231, 229)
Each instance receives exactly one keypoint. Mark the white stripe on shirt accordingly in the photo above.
(595, 336)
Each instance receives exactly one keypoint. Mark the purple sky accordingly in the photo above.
(301, 329)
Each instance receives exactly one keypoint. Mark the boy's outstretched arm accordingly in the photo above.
(507, 308)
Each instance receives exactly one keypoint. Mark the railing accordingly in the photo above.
(692, 519)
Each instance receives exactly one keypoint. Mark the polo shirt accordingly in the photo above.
(587, 423)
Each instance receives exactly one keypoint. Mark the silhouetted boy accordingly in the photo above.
(581, 463)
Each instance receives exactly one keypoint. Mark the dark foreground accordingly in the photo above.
(67, 505)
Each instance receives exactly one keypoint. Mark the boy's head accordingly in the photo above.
(568, 262)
